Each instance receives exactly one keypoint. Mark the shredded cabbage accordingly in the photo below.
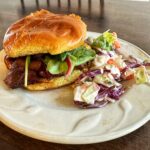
(90, 93)
(105, 79)
(141, 75)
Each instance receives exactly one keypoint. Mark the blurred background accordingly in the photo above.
(130, 19)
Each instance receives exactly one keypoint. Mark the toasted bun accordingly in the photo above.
(55, 82)
(44, 32)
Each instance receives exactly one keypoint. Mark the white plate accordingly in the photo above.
(52, 116)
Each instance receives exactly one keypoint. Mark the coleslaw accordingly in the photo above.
(102, 82)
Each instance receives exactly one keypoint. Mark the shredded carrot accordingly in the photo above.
(117, 44)
(131, 76)
(111, 62)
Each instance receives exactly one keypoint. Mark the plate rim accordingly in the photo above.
(76, 139)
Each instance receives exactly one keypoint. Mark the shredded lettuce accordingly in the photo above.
(57, 64)
(141, 75)
(90, 93)
(146, 61)
(106, 80)
(105, 41)
(27, 62)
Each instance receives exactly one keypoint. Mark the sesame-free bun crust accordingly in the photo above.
(55, 82)
(44, 32)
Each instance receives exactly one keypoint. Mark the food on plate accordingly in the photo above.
(103, 82)
(46, 50)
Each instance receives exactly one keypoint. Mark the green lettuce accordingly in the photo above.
(79, 55)
(57, 64)
(104, 41)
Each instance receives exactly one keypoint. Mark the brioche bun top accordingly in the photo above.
(44, 32)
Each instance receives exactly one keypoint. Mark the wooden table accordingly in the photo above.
(130, 19)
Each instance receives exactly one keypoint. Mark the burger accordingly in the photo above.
(45, 51)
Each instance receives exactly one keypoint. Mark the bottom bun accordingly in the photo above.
(55, 82)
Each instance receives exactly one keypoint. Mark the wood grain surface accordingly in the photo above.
(130, 19)
(138, 140)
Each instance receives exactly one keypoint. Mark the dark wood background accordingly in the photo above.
(130, 19)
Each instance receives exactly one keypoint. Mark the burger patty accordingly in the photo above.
(15, 77)
(36, 71)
